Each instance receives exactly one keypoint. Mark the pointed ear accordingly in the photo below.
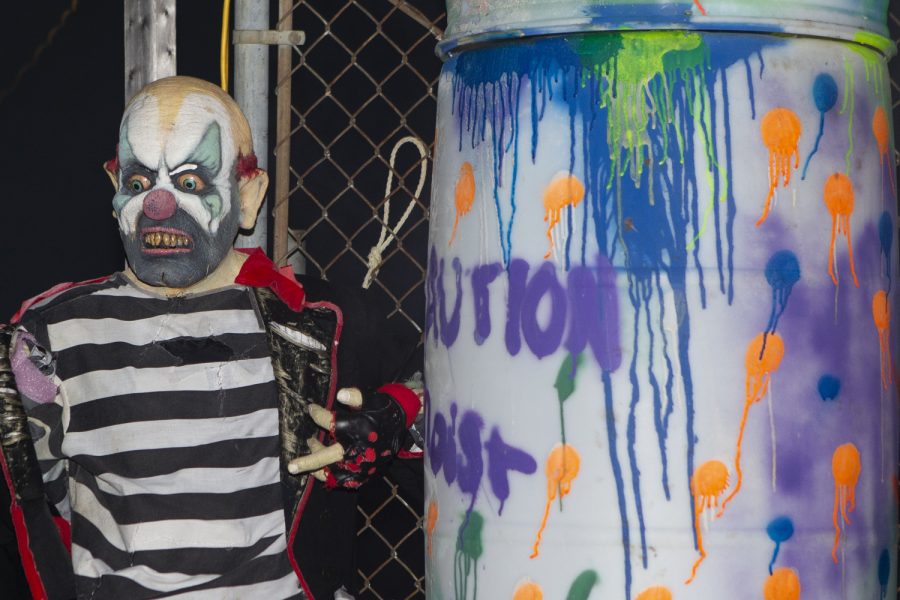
(252, 191)
(112, 171)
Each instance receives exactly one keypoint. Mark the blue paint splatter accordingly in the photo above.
(829, 387)
(780, 530)
(825, 95)
(782, 272)
(884, 571)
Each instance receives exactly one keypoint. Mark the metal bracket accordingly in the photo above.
(269, 37)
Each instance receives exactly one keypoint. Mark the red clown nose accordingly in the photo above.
(159, 205)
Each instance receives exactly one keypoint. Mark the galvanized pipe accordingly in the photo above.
(251, 91)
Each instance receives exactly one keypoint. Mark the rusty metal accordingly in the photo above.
(283, 142)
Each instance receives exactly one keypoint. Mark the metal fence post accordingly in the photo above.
(251, 91)
(149, 42)
(283, 143)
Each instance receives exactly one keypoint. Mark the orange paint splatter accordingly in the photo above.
(881, 128)
(528, 590)
(845, 466)
(432, 522)
(463, 195)
(763, 356)
(881, 314)
(708, 483)
(783, 584)
(561, 468)
(839, 200)
(655, 593)
(781, 130)
(564, 190)
(700, 7)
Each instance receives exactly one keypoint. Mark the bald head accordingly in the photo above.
(167, 97)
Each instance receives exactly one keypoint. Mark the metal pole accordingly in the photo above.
(251, 91)
(283, 133)
(149, 42)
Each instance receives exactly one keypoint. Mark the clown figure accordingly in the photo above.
(175, 424)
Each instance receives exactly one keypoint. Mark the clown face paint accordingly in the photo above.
(177, 202)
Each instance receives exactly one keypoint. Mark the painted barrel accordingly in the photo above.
(660, 356)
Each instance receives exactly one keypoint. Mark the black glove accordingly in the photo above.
(365, 432)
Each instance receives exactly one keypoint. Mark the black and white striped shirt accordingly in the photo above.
(162, 444)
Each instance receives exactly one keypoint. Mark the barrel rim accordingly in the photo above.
(455, 43)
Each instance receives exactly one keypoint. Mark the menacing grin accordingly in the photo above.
(165, 240)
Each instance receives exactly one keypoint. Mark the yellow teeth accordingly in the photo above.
(158, 239)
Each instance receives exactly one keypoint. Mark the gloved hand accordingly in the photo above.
(365, 432)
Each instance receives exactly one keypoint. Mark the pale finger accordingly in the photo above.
(321, 416)
(315, 445)
(315, 461)
(351, 397)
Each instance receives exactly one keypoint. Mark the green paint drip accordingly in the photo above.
(849, 102)
(565, 378)
(565, 387)
(640, 81)
(874, 64)
(880, 43)
(469, 548)
(637, 73)
(583, 585)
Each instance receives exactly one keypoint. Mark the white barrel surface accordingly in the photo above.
(660, 355)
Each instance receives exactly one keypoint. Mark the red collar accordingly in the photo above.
(259, 271)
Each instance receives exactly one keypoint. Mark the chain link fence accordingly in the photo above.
(362, 107)
(359, 133)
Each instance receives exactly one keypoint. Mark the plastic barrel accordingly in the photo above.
(660, 355)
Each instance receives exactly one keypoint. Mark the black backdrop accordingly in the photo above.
(58, 124)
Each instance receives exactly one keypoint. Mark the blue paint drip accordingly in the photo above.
(731, 205)
(886, 238)
(884, 571)
(780, 530)
(617, 476)
(829, 387)
(551, 63)
(638, 297)
(670, 405)
(825, 95)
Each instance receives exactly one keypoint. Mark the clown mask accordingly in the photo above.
(182, 173)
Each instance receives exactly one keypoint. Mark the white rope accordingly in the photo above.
(375, 259)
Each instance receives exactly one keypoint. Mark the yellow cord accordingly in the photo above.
(223, 50)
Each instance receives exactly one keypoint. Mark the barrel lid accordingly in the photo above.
(477, 21)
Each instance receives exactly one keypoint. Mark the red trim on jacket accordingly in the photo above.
(56, 289)
(328, 404)
(29, 565)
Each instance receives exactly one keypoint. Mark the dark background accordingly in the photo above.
(58, 124)
(59, 115)
(59, 121)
